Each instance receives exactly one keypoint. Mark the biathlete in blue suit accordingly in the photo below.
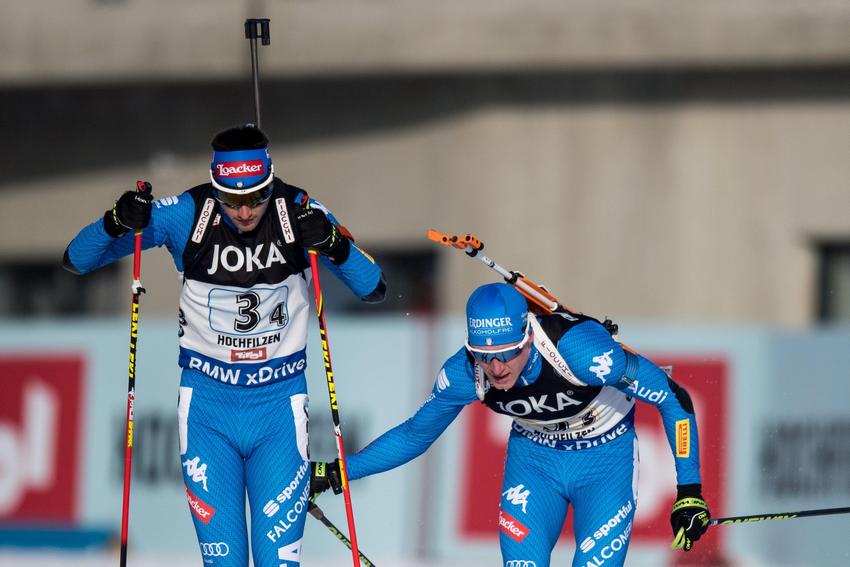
(240, 244)
(570, 389)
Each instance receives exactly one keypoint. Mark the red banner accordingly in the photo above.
(40, 428)
(704, 379)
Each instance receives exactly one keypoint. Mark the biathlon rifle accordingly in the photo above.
(542, 302)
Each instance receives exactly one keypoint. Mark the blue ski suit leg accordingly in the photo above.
(234, 439)
(540, 482)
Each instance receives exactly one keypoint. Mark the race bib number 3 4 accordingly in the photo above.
(248, 312)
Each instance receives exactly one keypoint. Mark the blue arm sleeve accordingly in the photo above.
(453, 390)
(652, 385)
(170, 224)
(359, 272)
(597, 360)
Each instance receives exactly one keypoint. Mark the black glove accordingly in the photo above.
(132, 211)
(316, 231)
(324, 476)
(689, 517)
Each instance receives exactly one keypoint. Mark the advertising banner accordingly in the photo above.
(40, 437)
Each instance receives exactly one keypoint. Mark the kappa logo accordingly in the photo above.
(197, 472)
(604, 361)
(442, 381)
(517, 496)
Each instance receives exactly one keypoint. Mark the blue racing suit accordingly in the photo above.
(572, 440)
(242, 410)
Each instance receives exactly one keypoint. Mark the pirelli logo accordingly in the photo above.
(683, 438)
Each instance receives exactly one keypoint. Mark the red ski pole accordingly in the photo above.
(323, 330)
(138, 290)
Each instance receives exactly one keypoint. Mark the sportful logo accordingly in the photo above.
(517, 496)
(240, 168)
(604, 361)
(217, 549)
(619, 543)
(615, 520)
(271, 508)
(442, 381)
(196, 472)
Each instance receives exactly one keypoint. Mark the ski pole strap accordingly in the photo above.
(631, 371)
(690, 502)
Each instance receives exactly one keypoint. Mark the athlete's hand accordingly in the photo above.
(132, 211)
(689, 517)
(324, 476)
(315, 230)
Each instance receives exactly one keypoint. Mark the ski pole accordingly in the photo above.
(257, 28)
(317, 513)
(138, 290)
(323, 331)
(779, 516)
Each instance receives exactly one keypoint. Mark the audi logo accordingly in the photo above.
(520, 563)
(218, 549)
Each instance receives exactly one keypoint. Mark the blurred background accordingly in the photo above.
(680, 167)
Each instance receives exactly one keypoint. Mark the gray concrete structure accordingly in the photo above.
(676, 208)
(111, 40)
